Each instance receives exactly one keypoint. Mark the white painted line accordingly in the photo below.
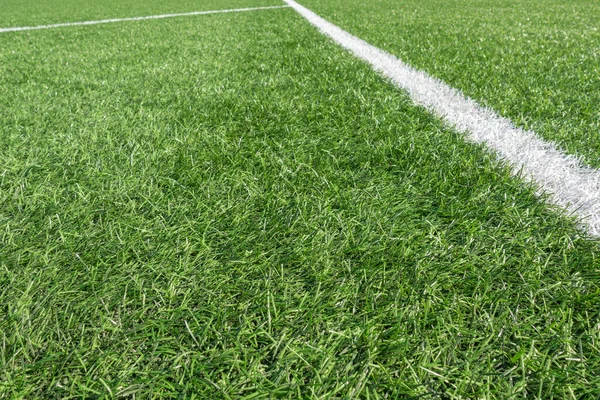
(109, 21)
(568, 183)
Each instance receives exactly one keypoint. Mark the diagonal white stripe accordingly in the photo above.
(108, 21)
(568, 183)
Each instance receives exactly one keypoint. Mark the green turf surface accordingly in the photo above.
(39, 12)
(536, 62)
(229, 205)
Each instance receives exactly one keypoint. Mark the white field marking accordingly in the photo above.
(568, 183)
(109, 21)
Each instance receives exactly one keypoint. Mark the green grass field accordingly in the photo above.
(536, 62)
(35, 12)
(230, 206)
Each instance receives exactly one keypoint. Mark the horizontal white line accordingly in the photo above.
(108, 21)
(567, 182)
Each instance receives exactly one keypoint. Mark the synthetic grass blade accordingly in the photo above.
(108, 21)
(235, 207)
(570, 184)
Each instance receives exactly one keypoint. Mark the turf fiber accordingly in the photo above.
(535, 62)
(229, 206)
(35, 12)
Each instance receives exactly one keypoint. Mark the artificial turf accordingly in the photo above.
(35, 12)
(536, 62)
(229, 206)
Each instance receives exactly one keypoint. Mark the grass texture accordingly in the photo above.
(229, 206)
(35, 12)
(535, 62)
